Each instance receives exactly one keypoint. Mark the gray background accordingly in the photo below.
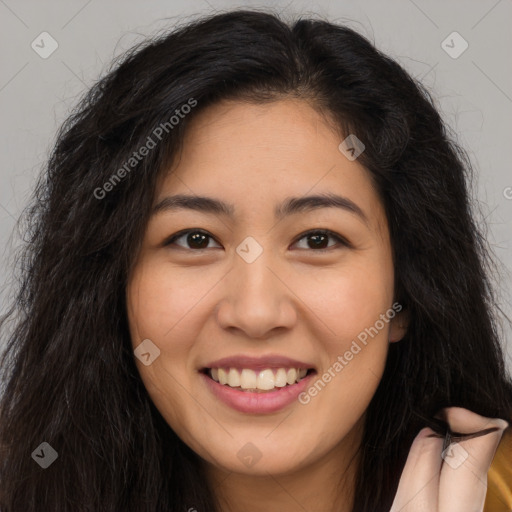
(473, 91)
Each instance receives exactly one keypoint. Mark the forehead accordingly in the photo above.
(280, 132)
(254, 155)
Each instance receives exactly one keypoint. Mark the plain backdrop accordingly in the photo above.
(473, 89)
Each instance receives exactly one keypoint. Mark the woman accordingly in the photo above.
(189, 337)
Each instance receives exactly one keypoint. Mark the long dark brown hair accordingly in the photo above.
(68, 372)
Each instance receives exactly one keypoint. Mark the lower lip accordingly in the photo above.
(257, 403)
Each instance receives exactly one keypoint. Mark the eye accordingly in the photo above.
(317, 239)
(196, 238)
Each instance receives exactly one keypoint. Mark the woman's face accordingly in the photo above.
(253, 297)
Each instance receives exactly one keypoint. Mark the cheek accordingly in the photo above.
(349, 303)
(351, 299)
(161, 307)
(162, 303)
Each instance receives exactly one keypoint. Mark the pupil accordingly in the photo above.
(317, 242)
(195, 238)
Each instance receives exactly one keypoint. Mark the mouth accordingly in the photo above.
(264, 380)
(257, 385)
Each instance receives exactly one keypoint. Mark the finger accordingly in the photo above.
(463, 484)
(419, 484)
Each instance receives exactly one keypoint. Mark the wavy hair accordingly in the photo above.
(68, 371)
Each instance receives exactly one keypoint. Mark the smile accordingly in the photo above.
(257, 385)
(259, 381)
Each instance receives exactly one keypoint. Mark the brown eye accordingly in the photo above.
(318, 240)
(194, 239)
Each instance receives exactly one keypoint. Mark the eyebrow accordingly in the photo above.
(290, 206)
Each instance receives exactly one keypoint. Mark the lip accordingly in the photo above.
(259, 363)
(257, 403)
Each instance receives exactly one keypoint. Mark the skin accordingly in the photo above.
(455, 480)
(200, 305)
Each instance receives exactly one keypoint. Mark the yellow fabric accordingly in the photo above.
(499, 478)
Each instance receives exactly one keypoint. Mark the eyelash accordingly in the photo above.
(326, 232)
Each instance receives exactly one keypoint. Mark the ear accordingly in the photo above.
(398, 326)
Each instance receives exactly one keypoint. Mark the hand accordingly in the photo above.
(455, 479)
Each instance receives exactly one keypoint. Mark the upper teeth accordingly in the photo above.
(263, 379)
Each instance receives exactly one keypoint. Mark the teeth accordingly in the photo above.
(291, 376)
(247, 379)
(280, 380)
(264, 380)
(233, 378)
(223, 376)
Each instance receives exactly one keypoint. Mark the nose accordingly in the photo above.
(256, 299)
